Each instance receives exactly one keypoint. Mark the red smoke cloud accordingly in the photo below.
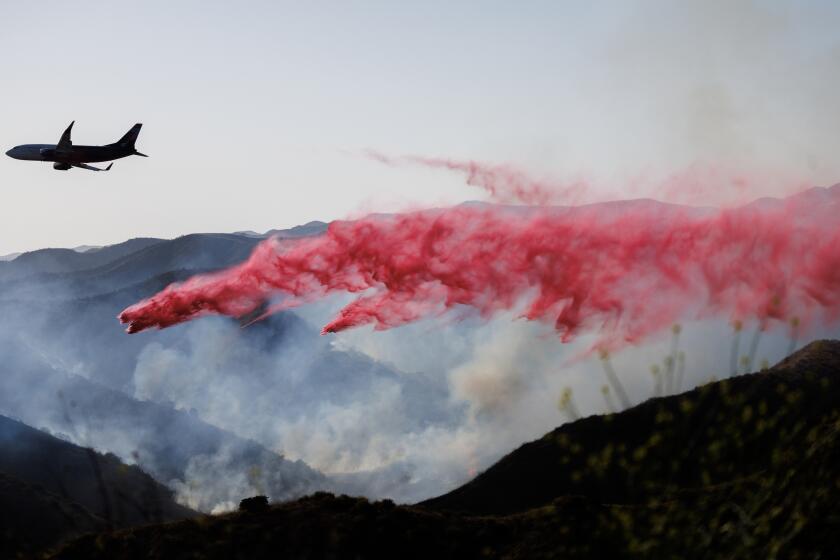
(627, 269)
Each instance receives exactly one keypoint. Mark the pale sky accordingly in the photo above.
(253, 111)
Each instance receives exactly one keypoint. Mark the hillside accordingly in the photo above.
(708, 436)
(737, 468)
(33, 519)
(52, 490)
(120, 494)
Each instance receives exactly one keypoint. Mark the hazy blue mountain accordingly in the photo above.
(69, 260)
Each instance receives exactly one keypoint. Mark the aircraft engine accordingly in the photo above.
(61, 166)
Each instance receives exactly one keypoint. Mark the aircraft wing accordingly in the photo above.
(90, 167)
(65, 141)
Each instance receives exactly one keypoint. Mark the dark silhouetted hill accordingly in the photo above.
(51, 490)
(707, 436)
(740, 468)
(33, 519)
(120, 494)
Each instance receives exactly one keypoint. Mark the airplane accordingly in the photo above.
(65, 155)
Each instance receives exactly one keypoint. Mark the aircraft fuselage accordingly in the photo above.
(76, 154)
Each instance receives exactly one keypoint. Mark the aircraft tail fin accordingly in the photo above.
(131, 136)
(65, 142)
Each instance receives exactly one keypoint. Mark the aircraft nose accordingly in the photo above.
(11, 153)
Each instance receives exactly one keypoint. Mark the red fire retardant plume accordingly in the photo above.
(626, 269)
(699, 184)
(503, 182)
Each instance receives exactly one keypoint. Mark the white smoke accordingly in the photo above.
(404, 433)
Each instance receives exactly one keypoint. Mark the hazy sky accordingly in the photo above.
(253, 111)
